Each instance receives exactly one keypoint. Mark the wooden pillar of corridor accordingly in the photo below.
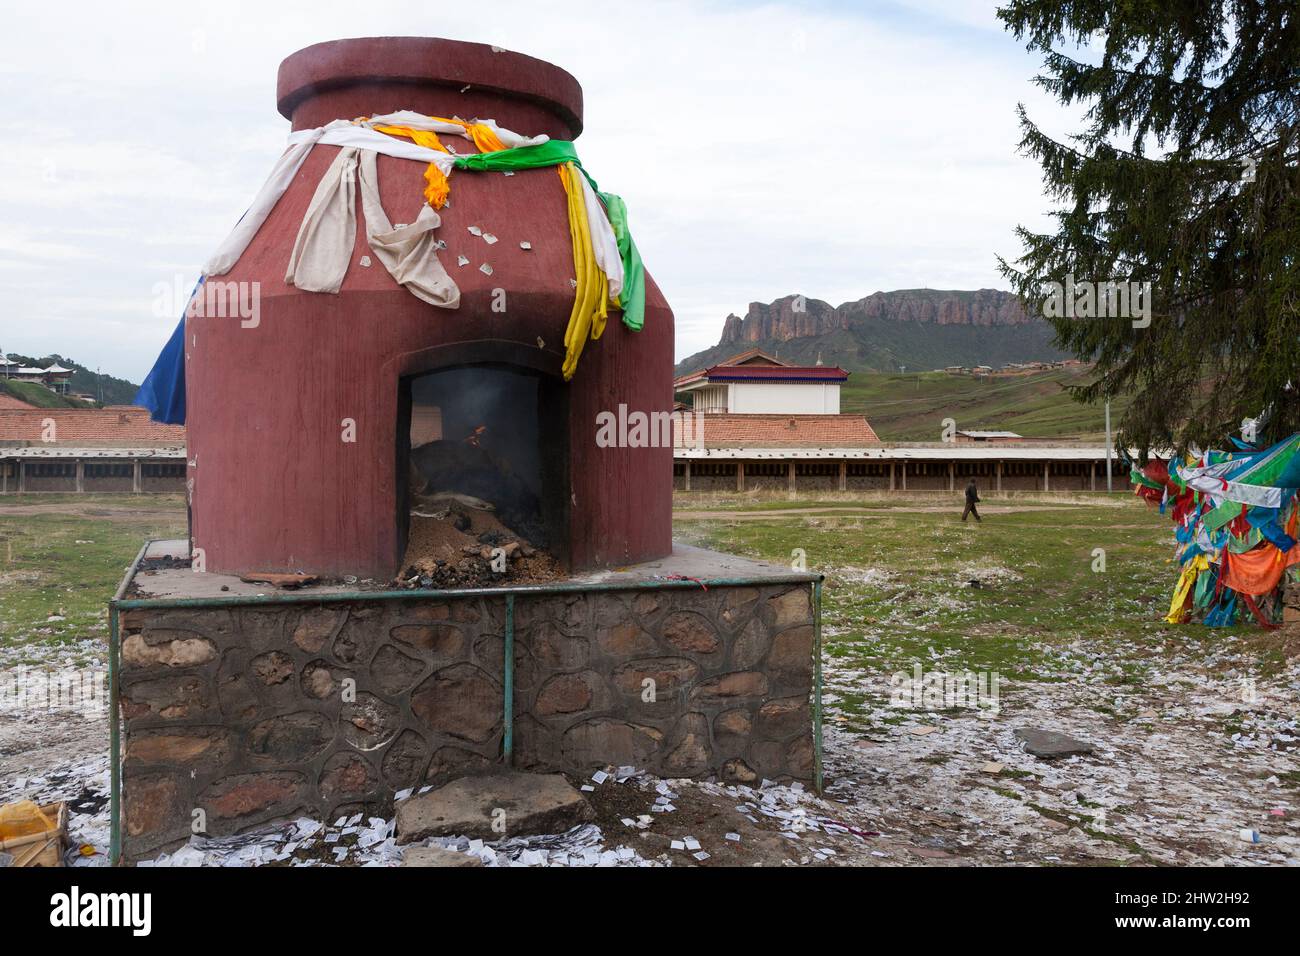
(844, 475)
(688, 474)
(998, 487)
(891, 476)
(952, 476)
(790, 474)
(1047, 476)
(136, 484)
(740, 476)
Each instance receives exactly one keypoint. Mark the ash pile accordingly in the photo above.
(458, 541)
(483, 534)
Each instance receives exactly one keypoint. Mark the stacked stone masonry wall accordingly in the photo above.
(250, 714)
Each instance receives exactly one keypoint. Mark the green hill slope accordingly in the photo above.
(115, 391)
(38, 395)
(1035, 405)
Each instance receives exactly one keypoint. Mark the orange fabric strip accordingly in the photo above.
(1258, 570)
(436, 187)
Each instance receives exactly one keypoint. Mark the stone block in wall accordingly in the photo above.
(462, 702)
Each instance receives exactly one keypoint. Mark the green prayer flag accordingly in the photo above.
(556, 152)
(632, 297)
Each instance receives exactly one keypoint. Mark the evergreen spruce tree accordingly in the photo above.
(1185, 175)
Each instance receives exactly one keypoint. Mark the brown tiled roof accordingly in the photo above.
(750, 354)
(738, 359)
(117, 424)
(776, 431)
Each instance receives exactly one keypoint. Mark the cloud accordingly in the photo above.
(833, 149)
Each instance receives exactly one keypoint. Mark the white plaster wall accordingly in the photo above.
(782, 398)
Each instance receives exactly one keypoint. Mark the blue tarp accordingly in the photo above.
(163, 389)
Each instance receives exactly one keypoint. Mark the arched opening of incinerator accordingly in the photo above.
(483, 467)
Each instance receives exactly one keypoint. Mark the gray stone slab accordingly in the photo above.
(1049, 744)
(520, 804)
(685, 562)
(437, 856)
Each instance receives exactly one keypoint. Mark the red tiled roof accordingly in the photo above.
(777, 373)
(124, 424)
(775, 431)
(738, 359)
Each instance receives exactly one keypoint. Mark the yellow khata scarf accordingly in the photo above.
(1177, 612)
(436, 188)
(591, 296)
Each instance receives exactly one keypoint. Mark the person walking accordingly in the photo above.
(972, 497)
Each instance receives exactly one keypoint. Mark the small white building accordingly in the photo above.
(755, 383)
(768, 425)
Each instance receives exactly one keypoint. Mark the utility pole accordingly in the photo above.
(1108, 477)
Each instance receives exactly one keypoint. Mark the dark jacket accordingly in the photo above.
(971, 494)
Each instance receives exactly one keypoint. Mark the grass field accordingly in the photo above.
(912, 407)
(61, 559)
(899, 571)
(908, 583)
(1182, 760)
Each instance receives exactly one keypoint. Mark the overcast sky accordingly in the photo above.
(832, 149)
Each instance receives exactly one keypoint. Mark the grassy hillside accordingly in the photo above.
(115, 391)
(912, 407)
(38, 395)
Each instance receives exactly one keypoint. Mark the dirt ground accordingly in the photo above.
(1185, 760)
(1175, 788)
(81, 506)
(1179, 770)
